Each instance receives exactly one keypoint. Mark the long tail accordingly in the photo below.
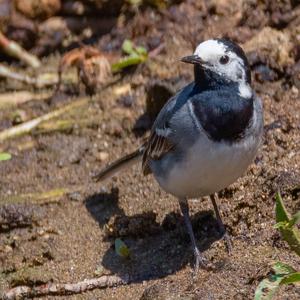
(119, 165)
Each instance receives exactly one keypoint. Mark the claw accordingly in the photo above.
(200, 261)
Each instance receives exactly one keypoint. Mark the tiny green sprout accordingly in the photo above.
(281, 225)
(295, 220)
(135, 55)
(281, 212)
(5, 156)
(141, 51)
(281, 272)
(285, 224)
(127, 47)
(291, 278)
(121, 248)
(269, 286)
(280, 268)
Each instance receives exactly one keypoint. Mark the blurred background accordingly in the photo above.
(81, 83)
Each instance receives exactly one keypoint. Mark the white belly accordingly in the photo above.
(209, 167)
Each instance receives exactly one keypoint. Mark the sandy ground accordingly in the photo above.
(71, 237)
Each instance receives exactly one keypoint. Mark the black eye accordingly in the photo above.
(224, 59)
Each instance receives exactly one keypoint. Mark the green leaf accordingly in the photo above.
(281, 212)
(295, 219)
(281, 225)
(282, 268)
(136, 55)
(121, 248)
(141, 51)
(126, 62)
(291, 278)
(289, 224)
(5, 156)
(290, 234)
(268, 286)
(127, 47)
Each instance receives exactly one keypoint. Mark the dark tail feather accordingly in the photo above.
(119, 165)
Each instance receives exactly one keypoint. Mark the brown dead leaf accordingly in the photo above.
(92, 66)
(95, 72)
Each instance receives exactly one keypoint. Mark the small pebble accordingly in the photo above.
(60, 164)
(74, 158)
(126, 100)
(99, 271)
(102, 156)
(75, 196)
(8, 249)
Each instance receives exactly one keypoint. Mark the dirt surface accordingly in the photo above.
(69, 235)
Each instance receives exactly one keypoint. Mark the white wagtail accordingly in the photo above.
(205, 137)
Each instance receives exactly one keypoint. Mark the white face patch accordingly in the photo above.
(245, 90)
(211, 51)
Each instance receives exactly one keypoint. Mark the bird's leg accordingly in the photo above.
(222, 228)
(184, 206)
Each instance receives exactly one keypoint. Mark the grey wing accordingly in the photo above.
(157, 145)
(159, 142)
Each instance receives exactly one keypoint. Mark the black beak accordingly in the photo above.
(192, 59)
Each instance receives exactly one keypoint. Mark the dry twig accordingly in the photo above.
(62, 289)
(51, 196)
(15, 50)
(39, 82)
(32, 124)
(20, 97)
(65, 125)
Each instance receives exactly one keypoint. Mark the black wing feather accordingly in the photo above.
(159, 142)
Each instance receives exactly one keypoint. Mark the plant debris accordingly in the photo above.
(135, 55)
(92, 66)
(5, 156)
(13, 49)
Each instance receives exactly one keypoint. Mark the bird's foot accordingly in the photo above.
(226, 237)
(200, 262)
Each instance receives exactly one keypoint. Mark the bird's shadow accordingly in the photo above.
(156, 249)
(103, 205)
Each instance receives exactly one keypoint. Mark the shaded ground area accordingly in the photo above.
(56, 224)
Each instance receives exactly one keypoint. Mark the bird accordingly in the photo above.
(206, 135)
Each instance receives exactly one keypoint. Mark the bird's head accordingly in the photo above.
(221, 60)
